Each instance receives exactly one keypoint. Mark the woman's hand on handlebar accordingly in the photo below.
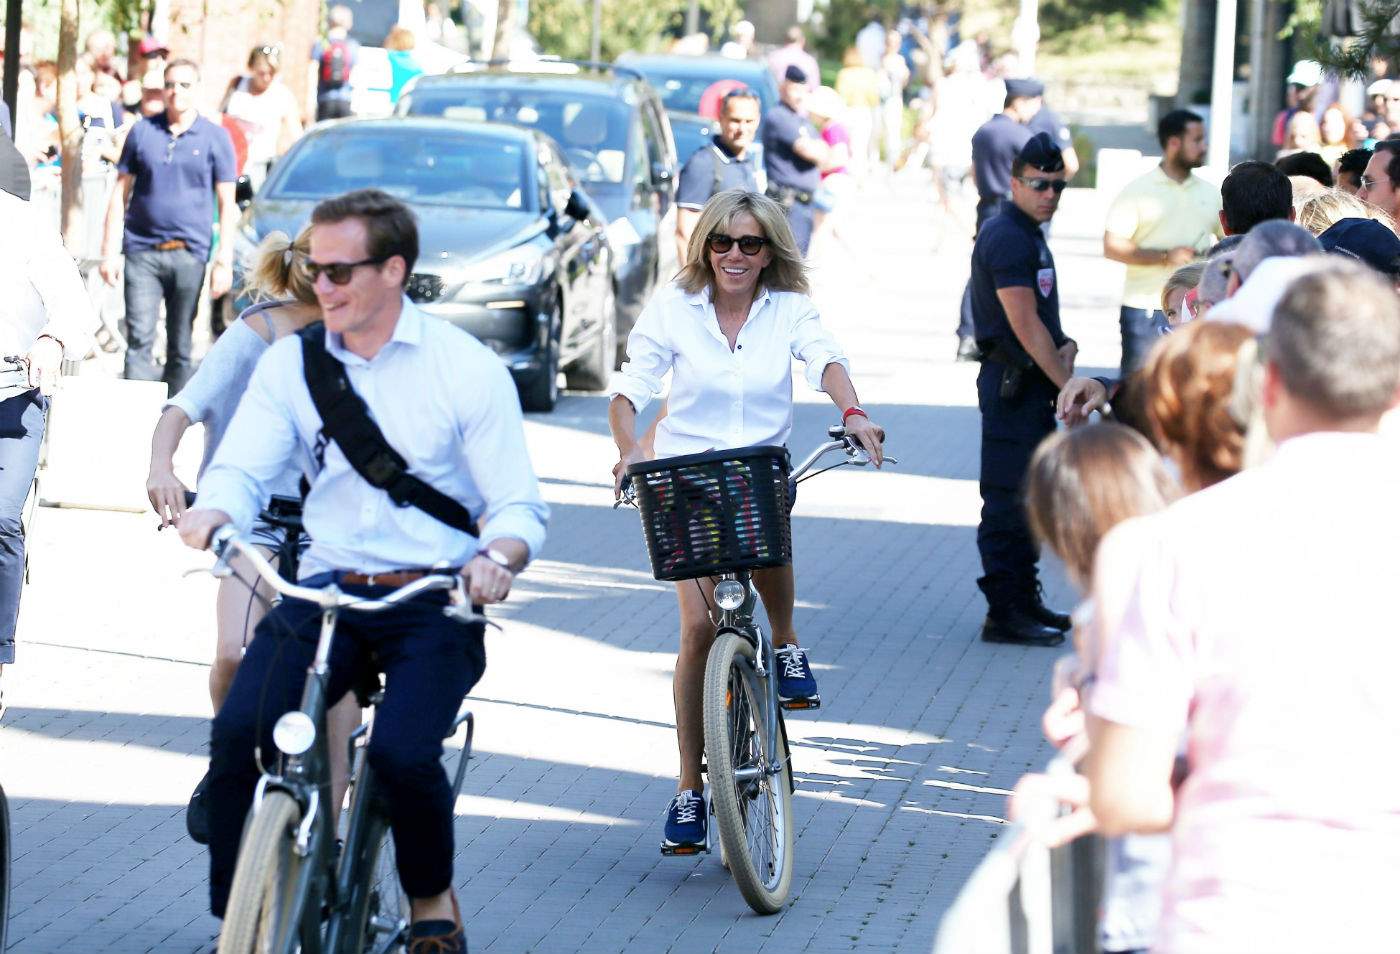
(636, 455)
(167, 495)
(868, 435)
(197, 525)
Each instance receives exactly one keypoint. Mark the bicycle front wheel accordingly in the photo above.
(263, 915)
(386, 916)
(4, 866)
(752, 803)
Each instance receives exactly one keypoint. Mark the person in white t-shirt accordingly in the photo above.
(266, 109)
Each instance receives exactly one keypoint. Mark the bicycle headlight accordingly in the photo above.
(729, 594)
(294, 733)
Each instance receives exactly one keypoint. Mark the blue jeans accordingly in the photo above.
(175, 277)
(21, 432)
(800, 217)
(429, 663)
(1140, 329)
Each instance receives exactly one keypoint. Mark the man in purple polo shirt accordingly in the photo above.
(171, 168)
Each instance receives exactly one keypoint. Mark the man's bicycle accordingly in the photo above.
(723, 514)
(292, 891)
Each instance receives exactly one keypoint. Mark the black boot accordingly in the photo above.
(1044, 615)
(1013, 624)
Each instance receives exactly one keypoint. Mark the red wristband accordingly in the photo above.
(854, 409)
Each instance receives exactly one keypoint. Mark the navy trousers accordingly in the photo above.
(429, 663)
(1011, 430)
(1140, 329)
(21, 432)
(800, 216)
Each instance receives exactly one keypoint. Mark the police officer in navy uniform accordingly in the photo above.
(1026, 360)
(792, 156)
(994, 147)
(726, 163)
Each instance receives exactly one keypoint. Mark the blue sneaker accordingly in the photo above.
(686, 818)
(797, 687)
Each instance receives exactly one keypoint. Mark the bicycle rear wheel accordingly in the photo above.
(754, 814)
(263, 916)
(386, 911)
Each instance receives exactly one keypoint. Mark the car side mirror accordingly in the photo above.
(661, 173)
(243, 191)
(578, 206)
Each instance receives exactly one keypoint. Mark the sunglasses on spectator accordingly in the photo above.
(182, 84)
(1367, 182)
(1040, 185)
(748, 244)
(339, 273)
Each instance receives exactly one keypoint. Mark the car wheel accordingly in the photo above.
(540, 391)
(592, 371)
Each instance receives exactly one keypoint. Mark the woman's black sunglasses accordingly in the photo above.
(1040, 185)
(748, 244)
(339, 273)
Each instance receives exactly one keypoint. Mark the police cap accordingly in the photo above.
(1024, 88)
(1042, 153)
(794, 74)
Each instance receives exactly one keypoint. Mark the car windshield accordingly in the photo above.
(680, 89)
(591, 130)
(691, 135)
(420, 167)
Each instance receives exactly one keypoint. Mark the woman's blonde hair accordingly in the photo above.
(277, 272)
(1085, 481)
(1326, 209)
(785, 272)
(1185, 278)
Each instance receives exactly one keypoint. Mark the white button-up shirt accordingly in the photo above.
(443, 400)
(722, 398)
(41, 292)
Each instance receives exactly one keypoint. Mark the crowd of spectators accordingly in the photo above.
(1227, 518)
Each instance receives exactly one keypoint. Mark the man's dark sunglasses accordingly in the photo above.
(1040, 185)
(339, 273)
(748, 244)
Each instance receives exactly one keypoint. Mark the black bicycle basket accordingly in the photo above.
(711, 513)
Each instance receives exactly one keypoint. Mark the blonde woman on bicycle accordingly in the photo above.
(727, 330)
(287, 305)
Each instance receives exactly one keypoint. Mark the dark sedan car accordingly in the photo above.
(509, 250)
(615, 136)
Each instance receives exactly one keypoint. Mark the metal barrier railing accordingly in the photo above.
(1027, 898)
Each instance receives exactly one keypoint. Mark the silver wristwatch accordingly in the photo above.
(496, 557)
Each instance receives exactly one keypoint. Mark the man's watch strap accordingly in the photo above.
(496, 557)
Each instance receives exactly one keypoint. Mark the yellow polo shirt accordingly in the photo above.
(1157, 212)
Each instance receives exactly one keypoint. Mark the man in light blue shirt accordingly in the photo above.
(447, 405)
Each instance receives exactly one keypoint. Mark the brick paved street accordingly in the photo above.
(901, 776)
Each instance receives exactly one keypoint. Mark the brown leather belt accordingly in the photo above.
(394, 578)
(174, 245)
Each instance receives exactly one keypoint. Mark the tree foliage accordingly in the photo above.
(1376, 23)
(842, 20)
(565, 27)
(1060, 16)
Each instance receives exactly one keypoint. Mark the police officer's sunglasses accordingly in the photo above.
(1040, 185)
(720, 243)
(339, 273)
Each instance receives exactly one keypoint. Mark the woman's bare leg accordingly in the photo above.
(688, 686)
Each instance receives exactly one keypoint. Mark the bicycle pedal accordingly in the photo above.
(684, 850)
(801, 702)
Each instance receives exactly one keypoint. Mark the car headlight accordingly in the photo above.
(294, 733)
(519, 266)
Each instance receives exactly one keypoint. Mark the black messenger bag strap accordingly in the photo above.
(345, 419)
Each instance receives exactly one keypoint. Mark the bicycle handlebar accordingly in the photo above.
(225, 540)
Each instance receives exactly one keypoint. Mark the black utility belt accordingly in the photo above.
(787, 195)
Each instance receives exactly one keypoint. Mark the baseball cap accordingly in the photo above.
(794, 74)
(149, 46)
(1365, 240)
(1380, 87)
(1306, 73)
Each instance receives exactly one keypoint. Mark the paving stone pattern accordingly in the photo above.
(901, 775)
